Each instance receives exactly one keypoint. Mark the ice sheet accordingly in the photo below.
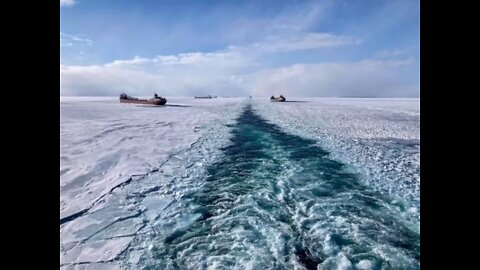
(105, 145)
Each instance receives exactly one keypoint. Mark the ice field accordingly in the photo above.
(238, 183)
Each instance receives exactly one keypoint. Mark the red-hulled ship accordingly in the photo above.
(156, 100)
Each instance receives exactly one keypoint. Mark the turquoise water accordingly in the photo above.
(276, 201)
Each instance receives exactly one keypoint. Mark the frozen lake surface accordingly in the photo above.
(232, 183)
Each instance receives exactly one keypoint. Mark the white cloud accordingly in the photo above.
(136, 61)
(67, 2)
(183, 74)
(231, 73)
(356, 79)
(67, 40)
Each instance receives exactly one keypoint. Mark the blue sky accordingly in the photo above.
(307, 48)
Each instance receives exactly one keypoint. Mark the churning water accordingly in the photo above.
(276, 201)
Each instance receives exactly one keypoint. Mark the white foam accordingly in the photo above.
(364, 265)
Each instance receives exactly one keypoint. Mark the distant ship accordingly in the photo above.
(156, 100)
(281, 98)
(209, 96)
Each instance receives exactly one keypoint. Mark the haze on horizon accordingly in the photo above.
(341, 48)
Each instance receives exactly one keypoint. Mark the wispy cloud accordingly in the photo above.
(67, 2)
(388, 16)
(295, 21)
(67, 40)
(303, 41)
(220, 59)
(389, 54)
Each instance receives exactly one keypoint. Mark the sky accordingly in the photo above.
(340, 48)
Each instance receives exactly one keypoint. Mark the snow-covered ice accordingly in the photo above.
(104, 144)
